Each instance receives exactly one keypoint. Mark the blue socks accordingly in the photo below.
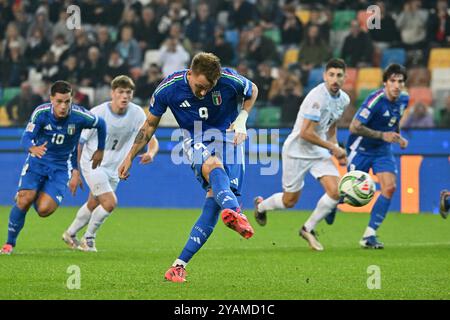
(16, 222)
(379, 212)
(201, 230)
(220, 184)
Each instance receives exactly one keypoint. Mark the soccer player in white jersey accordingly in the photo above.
(123, 119)
(309, 147)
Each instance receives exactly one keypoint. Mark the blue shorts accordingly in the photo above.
(232, 158)
(378, 163)
(39, 177)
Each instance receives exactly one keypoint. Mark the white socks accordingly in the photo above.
(180, 263)
(99, 215)
(275, 201)
(323, 208)
(82, 219)
(369, 232)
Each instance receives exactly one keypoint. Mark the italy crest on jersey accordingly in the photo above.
(71, 129)
(216, 98)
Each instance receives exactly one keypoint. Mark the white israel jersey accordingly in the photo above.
(319, 106)
(121, 130)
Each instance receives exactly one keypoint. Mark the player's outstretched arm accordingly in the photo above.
(152, 150)
(356, 127)
(308, 133)
(143, 137)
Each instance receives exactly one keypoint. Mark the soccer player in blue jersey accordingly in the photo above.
(374, 128)
(206, 101)
(51, 139)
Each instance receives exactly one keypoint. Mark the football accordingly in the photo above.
(356, 188)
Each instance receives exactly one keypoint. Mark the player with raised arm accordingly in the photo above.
(209, 98)
(309, 147)
(123, 121)
(51, 138)
(375, 127)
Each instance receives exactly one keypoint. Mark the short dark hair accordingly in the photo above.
(394, 68)
(60, 86)
(335, 63)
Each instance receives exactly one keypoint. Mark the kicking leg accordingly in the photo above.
(197, 238)
(280, 200)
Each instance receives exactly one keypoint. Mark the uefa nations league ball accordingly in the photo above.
(356, 188)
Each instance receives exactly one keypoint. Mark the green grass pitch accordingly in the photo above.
(136, 246)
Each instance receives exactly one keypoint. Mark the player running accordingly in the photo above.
(373, 130)
(51, 138)
(309, 147)
(205, 100)
(123, 121)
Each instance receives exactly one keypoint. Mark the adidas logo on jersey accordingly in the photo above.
(235, 181)
(48, 127)
(185, 104)
(386, 114)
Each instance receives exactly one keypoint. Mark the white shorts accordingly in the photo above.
(100, 181)
(295, 169)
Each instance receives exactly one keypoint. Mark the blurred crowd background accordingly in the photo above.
(280, 45)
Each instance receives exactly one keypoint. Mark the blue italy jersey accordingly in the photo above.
(217, 110)
(378, 113)
(62, 136)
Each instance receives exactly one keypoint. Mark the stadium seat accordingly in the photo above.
(350, 80)
(342, 19)
(252, 119)
(315, 77)
(418, 77)
(420, 94)
(362, 95)
(274, 34)
(303, 15)
(369, 78)
(4, 119)
(8, 94)
(269, 116)
(439, 58)
(440, 79)
(394, 55)
(290, 57)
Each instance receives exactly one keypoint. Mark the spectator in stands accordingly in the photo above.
(176, 32)
(321, 19)
(80, 47)
(357, 50)
(116, 66)
(263, 80)
(412, 23)
(21, 20)
(147, 33)
(291, 27)
(128, 47)
(113, 12)
(221, 48)
(388, 35)
(241, 13)
(21, 107)
(173, 56)
(60, 27)
(269, 13)
(198, 31)
(444, 116)
(420, 117)
(79, 97)
(93, 70)
(104, 43)
(313, 50)
(289, 98)
(147, 83)
(260, 47)
(278, 83)
(12, 35)
(176, 14)
(13, 68)
(37, 47)
(69, 71)
(129, 19)
(41, 21)
(59, 48)
(438, 26)
(47, 68)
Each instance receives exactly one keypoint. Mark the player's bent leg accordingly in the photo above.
(107, 203)
(45, 205)
(24, 199)
(214, 172)
(290, 199)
